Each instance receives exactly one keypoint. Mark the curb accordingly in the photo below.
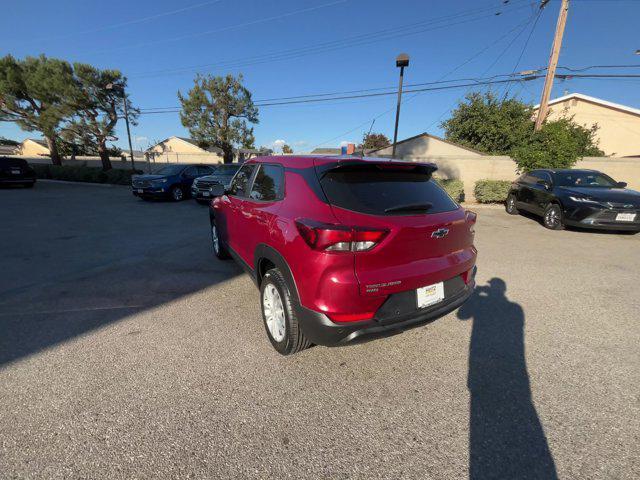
(89, 184)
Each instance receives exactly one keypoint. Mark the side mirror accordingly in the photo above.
(217, 190)
(544, 183)
(622, 184)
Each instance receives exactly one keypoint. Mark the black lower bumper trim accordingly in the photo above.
(320, 330)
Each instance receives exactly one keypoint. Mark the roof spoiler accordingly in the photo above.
(424, 168)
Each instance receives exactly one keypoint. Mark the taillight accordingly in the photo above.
(471, 218)
(339, 238)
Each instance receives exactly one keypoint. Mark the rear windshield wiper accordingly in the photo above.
(411, 207)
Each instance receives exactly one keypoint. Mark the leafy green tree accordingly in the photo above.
(374, 141)
(506, 127)
(558, 144)
(98, 103)
(488, 124)
(217, 112)
(286, 149)
(34, 94)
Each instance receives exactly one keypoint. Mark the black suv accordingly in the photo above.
(578, 198)
(16, 171)
(222, 175)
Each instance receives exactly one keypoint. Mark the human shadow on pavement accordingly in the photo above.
(506, 437)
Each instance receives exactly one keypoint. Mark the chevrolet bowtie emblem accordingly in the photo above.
(440, 233)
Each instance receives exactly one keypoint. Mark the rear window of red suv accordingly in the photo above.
(379, 190)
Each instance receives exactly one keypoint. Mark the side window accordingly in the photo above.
(240, 181)
(269, 183)
(540, 176)
(204, 171)
(191, 172)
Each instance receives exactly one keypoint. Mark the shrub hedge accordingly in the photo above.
(491, 191)
(83, 174)
(455, 188)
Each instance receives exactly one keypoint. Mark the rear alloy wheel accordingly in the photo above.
(177, 194)
(279, 317)
(216, 242)
(510, 205)
(553, 217)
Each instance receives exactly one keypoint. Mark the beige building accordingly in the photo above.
(426, 145)
(618, 125)
(183, 150)
(32, 147)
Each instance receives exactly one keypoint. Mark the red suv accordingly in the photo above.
(344, 248)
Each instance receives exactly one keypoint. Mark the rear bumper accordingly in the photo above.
(320, 330)
(17, 181)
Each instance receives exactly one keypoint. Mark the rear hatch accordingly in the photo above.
(429, 239)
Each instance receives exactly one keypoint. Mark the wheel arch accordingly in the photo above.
(266, 257)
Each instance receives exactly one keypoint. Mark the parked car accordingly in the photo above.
(344, 248)
(578, 198)
(223, 174)
(16, 171)
(171, 181)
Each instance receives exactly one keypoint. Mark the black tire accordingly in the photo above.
(294, 340)
(177, 193)
(219, 248)
(553, 219)
(510, 205)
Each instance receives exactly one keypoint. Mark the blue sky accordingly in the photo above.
(147, 39)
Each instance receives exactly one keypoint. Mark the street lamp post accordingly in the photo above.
(111, 86)
(402, 61)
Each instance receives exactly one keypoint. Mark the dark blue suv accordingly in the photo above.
(171, 181)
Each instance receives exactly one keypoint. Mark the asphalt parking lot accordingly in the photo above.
(128, 351)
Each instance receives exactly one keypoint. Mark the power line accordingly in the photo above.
(225, 29)
(126, 23)
(444, 76)
(349, 42)
(363, 95)
(332, 94)
(524, 48)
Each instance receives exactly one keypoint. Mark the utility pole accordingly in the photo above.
(126, 120)
(114, 86)
(553, 62)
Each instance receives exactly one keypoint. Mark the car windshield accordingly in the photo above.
(386, 191)
(169, 170)
(584, 179)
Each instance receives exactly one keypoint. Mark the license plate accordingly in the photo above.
(15, 171)
(625, 217)
(430, 295)
(205, 194)
(140, 190)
